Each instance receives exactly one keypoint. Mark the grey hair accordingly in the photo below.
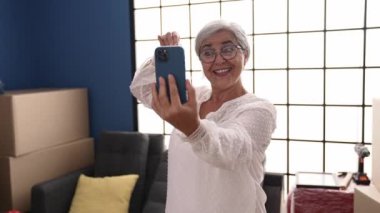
(218, 25)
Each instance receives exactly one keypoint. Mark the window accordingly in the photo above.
(318, 61)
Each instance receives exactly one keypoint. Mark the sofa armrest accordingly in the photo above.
(54, 196)
(155, 152)
(273, 187)
(156, 201)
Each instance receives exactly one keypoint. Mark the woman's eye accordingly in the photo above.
(208, 53)
(228, 49)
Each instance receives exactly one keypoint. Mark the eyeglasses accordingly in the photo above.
(228, 52)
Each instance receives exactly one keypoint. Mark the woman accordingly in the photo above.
(217, 148)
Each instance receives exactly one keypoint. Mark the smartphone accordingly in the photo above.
(171, 60)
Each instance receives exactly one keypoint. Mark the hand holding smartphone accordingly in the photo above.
(171, 60)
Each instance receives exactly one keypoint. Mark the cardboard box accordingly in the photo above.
(366, 199)
(35, 119)
(18, 175)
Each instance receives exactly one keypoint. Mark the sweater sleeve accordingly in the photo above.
(142, 81)
(235, 142)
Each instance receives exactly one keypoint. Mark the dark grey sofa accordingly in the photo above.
(118, 153)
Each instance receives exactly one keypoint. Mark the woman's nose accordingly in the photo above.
(219, 58)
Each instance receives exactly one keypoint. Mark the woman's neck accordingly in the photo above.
(221, 96)
(218, 98)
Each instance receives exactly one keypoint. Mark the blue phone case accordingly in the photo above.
(171, 60)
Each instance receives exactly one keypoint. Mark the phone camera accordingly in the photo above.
(162, 55)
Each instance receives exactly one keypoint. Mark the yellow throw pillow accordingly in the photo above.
(108, 194)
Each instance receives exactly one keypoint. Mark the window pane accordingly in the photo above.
(146, 3)
(292, 182)
(305, 156)
(173, 2)
(245, 16)
(344, 48)
(281, 123)
(202, 1)
(271, 85)
(270, 51)
(306, 86)
(343, 124)
(147, 23)
(373, 15)
(247, 80)
(306, 50)
(306, 15)
(144, 50)
(341, 157)
(181, 16)
(373, 48)
(195, 63)
(306, 122)
(166, 141)
(185, 43)
(368, 125)
(344, 14)
(276, 156)
(269, 18)
(149, 121)
(344, 86)
(168, 128)
(372, 85)
(201, 14)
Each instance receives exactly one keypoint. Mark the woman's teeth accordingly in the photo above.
(221, 71)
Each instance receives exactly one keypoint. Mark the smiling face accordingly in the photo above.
(223, 74)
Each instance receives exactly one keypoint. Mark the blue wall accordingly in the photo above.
(73, 43)
(16, 60)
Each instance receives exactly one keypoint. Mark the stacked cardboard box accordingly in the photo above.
(43, 134)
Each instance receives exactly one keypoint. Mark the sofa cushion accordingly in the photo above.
(108, 194)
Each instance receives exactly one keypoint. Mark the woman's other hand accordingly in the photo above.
(170, 38)
(184, 117)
